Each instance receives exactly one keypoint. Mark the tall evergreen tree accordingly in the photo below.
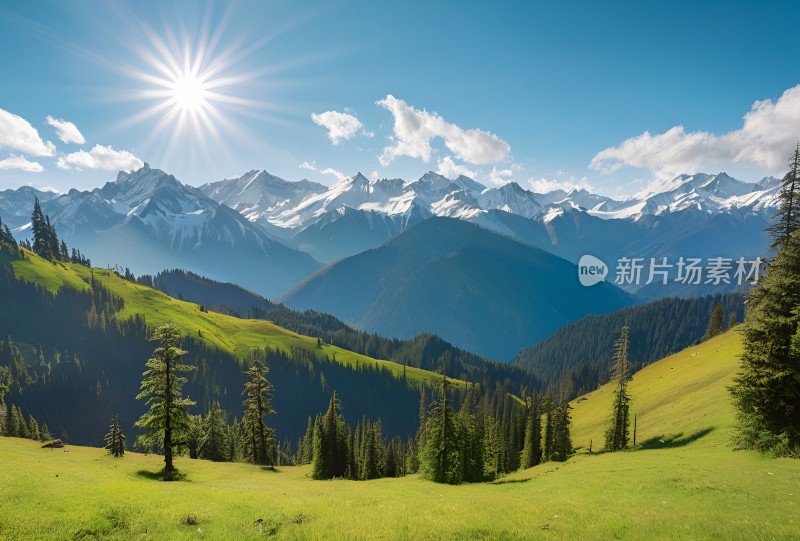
(716, 324)
(214, 442)
(562, 440)
(167, 421)
(766, 391)
(532, 449)
(618, 432)
(33, 428)
(39, 230)
(115, 439)
(787, 219)
(331, 444)
(259, 447)
(441, 459)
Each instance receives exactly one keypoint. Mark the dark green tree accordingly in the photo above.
(259, 446)
(331, 444)
(785, 222)
(562, 440)
(214, 441)
(618, 431)
(716, 323)
(167, 422)
(33, 428)
(441, 458)
(532, 449)
(766, 391)
(115, 439)
(39, 229)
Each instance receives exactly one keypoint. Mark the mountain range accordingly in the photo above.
(148, 221)
(389, 253)
(486, 292)
(700, 215)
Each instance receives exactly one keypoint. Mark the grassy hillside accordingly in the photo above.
(228, 333)
(681, 396)
(690, 487)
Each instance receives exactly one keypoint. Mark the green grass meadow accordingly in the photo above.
(691, 486)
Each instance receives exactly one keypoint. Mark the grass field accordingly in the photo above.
(692, 486)
(228, 333)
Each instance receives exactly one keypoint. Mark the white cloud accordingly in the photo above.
(340, 126)
(450, 169)
(16, 133)
(500, 176)
(766, 138)
(373, 176)
(414, 129)
(19, 162)
(101, 157)
(310, 166)
(338, 174)
(544, 185)
(67, 131)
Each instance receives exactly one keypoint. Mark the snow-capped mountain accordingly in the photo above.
(149, 221)
(359, 200)
(16, 205)
(258, 195)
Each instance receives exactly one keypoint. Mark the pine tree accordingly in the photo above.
(22, 427)
(618, 432)
(115, 439)
(330, 444)
(308, 444)
(786, 221)
(44, 433)
(194, 435)
(562, 440)
(33, 428)
(167, 421)
(441, 459)
(716, 324)
(214, 442)
(40, 234)
(766, 391)
(548, 431)
(259, 447)
(532, 449)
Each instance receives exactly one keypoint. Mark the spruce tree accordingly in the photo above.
(766, 391)
(548, 431)
(167, 421)
(786, 221)
(259, 447)
(532, 449)
(22, 427)
(562, 440)
(214, 443)
(33, 428)
(618, 432)
(716, 324)
(331, 444)
(115, 439)
(44, 433)
(441, 459)
(38, 228)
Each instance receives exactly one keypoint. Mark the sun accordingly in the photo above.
(189, 92)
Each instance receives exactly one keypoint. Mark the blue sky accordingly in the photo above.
(612, 97)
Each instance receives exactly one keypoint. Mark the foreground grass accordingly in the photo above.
(686, 488)
(234, 335)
